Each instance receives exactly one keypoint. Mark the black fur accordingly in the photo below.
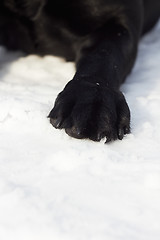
(101, 36)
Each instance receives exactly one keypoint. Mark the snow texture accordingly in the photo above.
(56, 187)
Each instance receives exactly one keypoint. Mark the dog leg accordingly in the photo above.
(91, 105)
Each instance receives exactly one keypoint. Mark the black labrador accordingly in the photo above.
(101, 36)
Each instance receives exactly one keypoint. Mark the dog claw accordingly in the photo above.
(99, 137)
(126, 130)
(120, 134)
(108, 140)
(74, 132)
(56, 122)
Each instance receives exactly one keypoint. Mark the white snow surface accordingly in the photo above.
(53, 187)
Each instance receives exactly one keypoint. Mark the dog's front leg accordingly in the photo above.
(91, 105)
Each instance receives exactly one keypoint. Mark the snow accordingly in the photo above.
(56, 187)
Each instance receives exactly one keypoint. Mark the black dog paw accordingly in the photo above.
(88, 110)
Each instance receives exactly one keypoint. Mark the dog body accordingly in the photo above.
(101, 36)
